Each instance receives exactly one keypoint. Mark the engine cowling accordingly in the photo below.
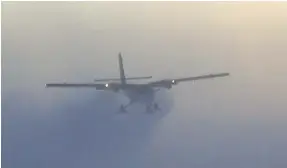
(112, 86)
(169, 83)
(174, 82)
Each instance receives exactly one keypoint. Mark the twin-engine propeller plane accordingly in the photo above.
(140, 93)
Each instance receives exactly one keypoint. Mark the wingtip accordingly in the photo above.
(226, 74)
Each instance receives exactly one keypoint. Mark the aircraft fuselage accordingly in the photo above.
(140, 93)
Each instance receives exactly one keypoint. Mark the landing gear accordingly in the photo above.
(152, 108)
(122, 109)
(156, 107)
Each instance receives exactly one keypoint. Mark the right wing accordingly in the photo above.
(169, 82)
(201, 77)
(77, 85)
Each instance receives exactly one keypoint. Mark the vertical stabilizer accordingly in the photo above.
(122, 72)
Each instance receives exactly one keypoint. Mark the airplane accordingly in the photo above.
(136, 93)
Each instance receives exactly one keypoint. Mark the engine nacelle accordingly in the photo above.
(169, 86)
(169, 83)
(112, 86)
(174, 82)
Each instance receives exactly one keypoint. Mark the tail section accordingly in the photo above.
(122, 78)
(121, 68)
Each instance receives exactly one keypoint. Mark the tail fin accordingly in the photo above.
(122, 72)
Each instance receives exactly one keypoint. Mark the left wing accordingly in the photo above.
(82, 85)
(169, 82)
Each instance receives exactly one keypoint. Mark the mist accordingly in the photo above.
(238, 121)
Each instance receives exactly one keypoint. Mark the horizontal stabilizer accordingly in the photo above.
(117, 79)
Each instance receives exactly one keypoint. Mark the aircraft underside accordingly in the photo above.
(145, 96)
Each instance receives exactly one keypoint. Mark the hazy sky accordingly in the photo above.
(239, 121)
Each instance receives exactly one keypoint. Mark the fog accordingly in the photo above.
(239, 121)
